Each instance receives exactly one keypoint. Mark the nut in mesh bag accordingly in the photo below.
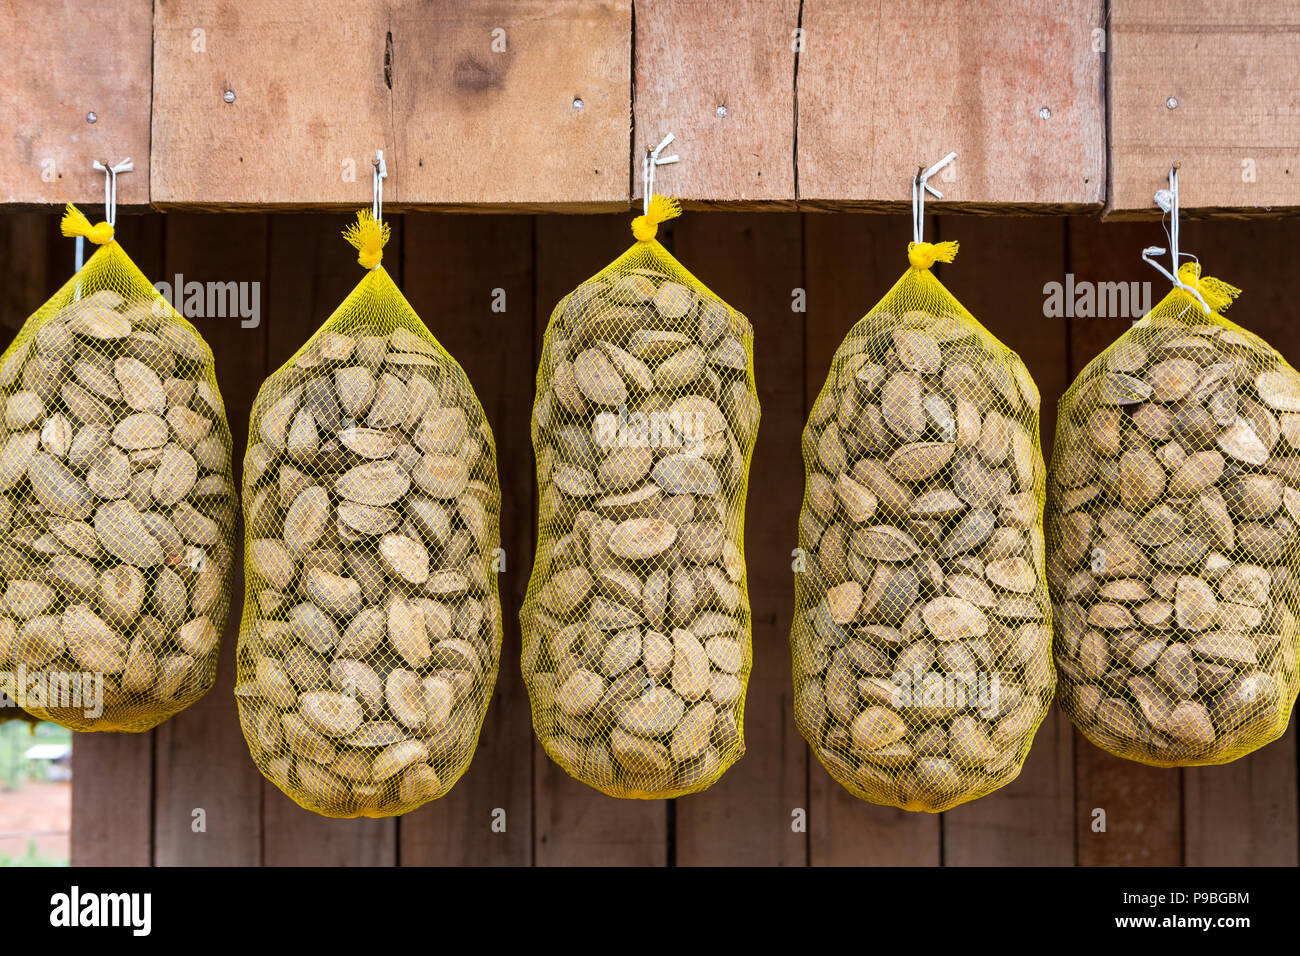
(116, 502)
(921, 635)
(636, 624)
(372, 627)
(1173, 540)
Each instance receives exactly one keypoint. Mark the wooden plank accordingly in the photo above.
(310, 102)
(462, 263)
(34, 262)
(63, 63)
(755, 263)
(311, 270)
(1250, 254)
(998, 277)
(1140, 807)
(460, 122)
(112, 806)
(202, 761)
(112, 774)
(850, 262)
(1112, 253)
(882, 89)
(573, 823)
(476, 123)
(1143, 805)
(1244, 813)
(726, 92)
(1230, 67)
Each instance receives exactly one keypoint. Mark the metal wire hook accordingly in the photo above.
(653, 159)
(381, 173)
(920, 186)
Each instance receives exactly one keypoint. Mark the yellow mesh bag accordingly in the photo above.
(921, 633)
(371, 634)
(9, 710)
(116, 502)
(1172, 537)
(636, 626)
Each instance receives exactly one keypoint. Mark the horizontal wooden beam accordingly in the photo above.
(479, 103)
(548, 105)
(1015, 88)
(1211, 85)
(720, 77)
(75, 89)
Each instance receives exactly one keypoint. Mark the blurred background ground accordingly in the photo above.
(35, 794)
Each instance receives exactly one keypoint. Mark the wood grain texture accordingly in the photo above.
(62, 62)
(573, 823)
(1244, 813)
(694, 58)
(850, 261)
(1112, 253)
(310, 97)
(202, 761)
(34, 261)
(112, 800)
(462, 121)
(746, 817)
(499, 127)
(454, 267)
(998, 276)
(1231, 68)
(1142, 810)
(882, 89)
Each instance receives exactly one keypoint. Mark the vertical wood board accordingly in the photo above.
(884, 87)
(721, 78)
(64, 62)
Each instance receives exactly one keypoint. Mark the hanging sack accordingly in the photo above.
(116, 501)
(1172, 535)
(921, 633)
(636, 625)
(371, 634)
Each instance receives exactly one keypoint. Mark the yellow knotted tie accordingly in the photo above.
(368, 236)
(922, 255)
(662, 208)
(1218, 295)
(75, 223)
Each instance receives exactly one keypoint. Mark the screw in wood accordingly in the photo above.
(92, 117)
(228, 96)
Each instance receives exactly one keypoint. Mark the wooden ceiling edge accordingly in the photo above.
(596, 206)
(1202, 213)
(491, 208)
(1102, 211)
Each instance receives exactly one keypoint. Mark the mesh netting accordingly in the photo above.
(9, 710)
(636, 625)
(116, 503)
(921, 633)
(1172, 538)
(372, 627)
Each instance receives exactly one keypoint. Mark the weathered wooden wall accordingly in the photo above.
(526, 105)
(134, 795)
